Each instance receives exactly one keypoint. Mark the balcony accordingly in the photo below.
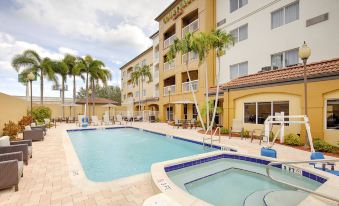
(156, 76)
(191, 57)
(169, 65)
(169, 41)
(192, 27)
(186, 86)
(156, 93)
(130, 99)
(156, 56)
(169, 89)
(130, 86)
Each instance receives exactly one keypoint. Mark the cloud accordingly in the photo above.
(65, 50)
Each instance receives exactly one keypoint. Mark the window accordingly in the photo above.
(237, 4)
(285, 59)
(195, 112)
(238, 70)
(332, 114)
(257, 112)
(240, 33)
(144, 92)
(285, 15)
(137, 94)
(143, 62)
(250, 113)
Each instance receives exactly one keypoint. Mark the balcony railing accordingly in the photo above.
(186, 86)
(156, 56)
(156, 76)
(130, 86)
(192, 27)
(156, 93)
(169, 65)
(169, 89)
(191, 57)
(169, 41)
(130, 99)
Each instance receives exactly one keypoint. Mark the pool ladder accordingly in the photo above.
(211, 137)
(298, 187)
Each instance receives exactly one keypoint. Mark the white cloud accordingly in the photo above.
(88, 18)
(65, 50)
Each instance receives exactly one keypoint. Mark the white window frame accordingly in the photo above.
(237, 38)
(238, 7)
(238, 64)
(284, 57)
(325, 115)
(284, 14)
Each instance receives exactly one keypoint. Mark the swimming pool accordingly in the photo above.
(237, 178)
(110, 154)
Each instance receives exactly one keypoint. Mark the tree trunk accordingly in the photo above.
(41, 87)
(216, 96)
(74, 89)
(86, 105)
(142, 92)
(93, 93)
(139, 98)
(194, 97)
(63, 96)
(207, 106)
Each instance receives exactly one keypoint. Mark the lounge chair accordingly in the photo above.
(33, 134)
(95, 121)
(177, 123)
(24, 146)
(237, 128)
(106, 120)
(257, 134)
(138, 119)
(11, 170)
(152, 119)
(193, 123)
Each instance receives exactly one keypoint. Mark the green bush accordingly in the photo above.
(245, 133)
(41, 113)
(293, 139)
(322, 146)
(224, 130)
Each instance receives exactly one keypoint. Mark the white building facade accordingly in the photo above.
(268, 33)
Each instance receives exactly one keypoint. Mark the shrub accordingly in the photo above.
(293, 139)
(41, 113)
(11, 129)
(25, 120)
(322, 146)
(224, 130)
(245, 133)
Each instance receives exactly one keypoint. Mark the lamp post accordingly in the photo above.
(31, 77)
(304, 54)
(89, 95)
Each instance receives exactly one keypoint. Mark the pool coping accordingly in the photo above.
(166, 186)
(77, 173)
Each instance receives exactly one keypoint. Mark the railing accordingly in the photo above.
(156, 93)
(156, 56)
(186, 86)
(192, 27)
(169, 41)
(169, 65)
(192, 56)
(130, 99)
(301, 188)
(211, 137)
(156, 76)
(169, 89)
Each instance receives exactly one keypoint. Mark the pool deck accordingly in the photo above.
(50, 178)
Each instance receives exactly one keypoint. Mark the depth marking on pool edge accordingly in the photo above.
(75, 172)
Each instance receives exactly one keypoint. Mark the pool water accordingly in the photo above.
(236, 182)
(110, 154)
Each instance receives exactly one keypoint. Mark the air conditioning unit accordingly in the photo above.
(266, 69)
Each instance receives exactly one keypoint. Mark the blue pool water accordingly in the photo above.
(240, 183)
(106, 155)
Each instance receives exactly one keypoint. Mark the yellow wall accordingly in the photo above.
(11, 109)
(317, 94)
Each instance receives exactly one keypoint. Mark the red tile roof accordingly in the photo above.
(98, 100)
(314, 70)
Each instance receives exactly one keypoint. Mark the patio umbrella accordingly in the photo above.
(70, 105)
(109, 106)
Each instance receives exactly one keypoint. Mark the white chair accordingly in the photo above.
(80, 119)
(95, 121)
(237, 127)
(106, 120)
(119, 118)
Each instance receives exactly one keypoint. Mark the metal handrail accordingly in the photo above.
(212, 135)
(301, 188)
(217, 129)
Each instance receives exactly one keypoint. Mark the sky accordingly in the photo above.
(114, 31)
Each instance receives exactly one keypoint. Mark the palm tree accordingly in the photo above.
(60, 67)
(135, 77)
(89, 66)
(73, 70)
(32, 62)
(198, 44)
(210, 107)
(220, 40)
(145, 73)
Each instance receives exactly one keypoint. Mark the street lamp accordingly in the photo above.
(304, 54)
(31, 77)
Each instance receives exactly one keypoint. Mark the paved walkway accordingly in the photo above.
(47, 178)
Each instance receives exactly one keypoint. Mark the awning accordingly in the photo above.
(183, 102)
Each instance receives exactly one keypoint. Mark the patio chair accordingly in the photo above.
(193, 123)
(138, 119)
(257, 134)
(320, 156)
(11, 170)
(152, 119)
(24, 146)
(47, 123)
(177, 123)
(106, 120)
(237, 128)
(33, 134)
(39, 127)
(95, 121)
(119, 119)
